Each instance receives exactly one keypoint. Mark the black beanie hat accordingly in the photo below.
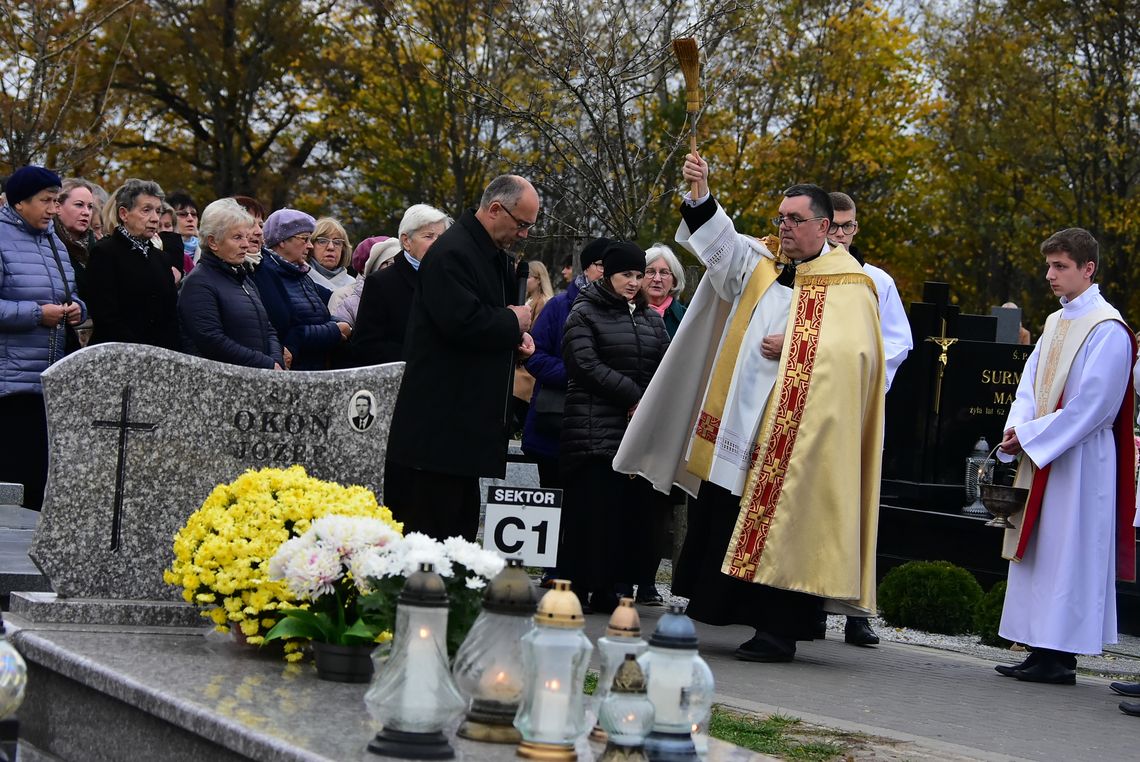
(592, 252)
(27, 181)
(620, 256)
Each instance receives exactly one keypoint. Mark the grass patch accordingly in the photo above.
(591, 683)
(777, 735)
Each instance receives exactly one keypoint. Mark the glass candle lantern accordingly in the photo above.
(680, 685)
(626, 714)
(414, 697)
(979, 470)
(488, 666)
(623, 637)
(13, 676)
(556, 653)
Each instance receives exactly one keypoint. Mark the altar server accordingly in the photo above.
(1072, 423)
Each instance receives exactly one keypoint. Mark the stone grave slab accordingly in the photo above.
(139, 436)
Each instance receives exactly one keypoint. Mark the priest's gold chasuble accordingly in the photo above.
(809, 514)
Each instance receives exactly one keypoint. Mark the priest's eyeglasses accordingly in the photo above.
(847, 227)
(792, 222)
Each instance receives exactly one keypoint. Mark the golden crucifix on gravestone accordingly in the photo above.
(944, 342)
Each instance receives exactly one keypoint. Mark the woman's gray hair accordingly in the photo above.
(220, 216)
(661, 251)
(71, 183)
(419, 215)
(125, 197)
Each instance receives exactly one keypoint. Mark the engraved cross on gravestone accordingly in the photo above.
(125, 426)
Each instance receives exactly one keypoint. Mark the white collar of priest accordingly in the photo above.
(1074, 307)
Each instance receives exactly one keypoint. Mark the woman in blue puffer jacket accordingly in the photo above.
(36, 306)
(297, 306)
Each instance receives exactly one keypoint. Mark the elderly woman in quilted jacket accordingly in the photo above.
(612, 346)
(37, 303)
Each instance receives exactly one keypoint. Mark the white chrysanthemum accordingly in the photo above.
(287, 551)
(485, 563)
(313, 572)
(378, 564)
(351, 534)
(476, 583)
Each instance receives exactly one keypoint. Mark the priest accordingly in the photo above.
(782, 455)
(1071, 423)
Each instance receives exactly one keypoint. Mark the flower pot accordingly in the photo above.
(343, 664)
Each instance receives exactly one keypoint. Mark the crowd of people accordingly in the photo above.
(627, 399)
(276, 291)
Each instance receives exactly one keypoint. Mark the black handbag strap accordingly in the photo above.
(59, 264)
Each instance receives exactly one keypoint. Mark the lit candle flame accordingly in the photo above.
(553, 685)
(425, 633)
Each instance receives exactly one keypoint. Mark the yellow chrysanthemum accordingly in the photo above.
(221, 554)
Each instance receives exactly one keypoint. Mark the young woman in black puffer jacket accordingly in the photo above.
(612, 345)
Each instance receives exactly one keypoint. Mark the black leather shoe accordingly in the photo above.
(765, 647)
(1054, 668)
(1131, 690)
(1130, 707)
(821, 626)
(858, 632)
(647, 595)
(1008, 670)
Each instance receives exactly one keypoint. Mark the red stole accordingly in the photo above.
(1125, 488)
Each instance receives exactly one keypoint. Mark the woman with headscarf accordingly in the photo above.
(219, 306)
(133, 289)
(37, 304)
(612, 346)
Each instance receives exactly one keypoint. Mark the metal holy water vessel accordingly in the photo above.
(1002, 501)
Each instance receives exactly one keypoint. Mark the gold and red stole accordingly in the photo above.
(809, 513)
(1061, 341)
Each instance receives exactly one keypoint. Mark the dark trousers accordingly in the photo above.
(715, 597)
(24, 445)
(605, 526)
(435, 504)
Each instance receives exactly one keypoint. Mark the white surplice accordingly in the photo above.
(730, 259)
(1062, 595)
(897, 341)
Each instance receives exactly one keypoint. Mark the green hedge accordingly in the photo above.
(987, 616)
(934, 596)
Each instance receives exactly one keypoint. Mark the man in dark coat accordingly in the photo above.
(449, 425)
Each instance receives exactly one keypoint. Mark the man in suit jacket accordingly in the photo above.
(464, 334)
(363, 418)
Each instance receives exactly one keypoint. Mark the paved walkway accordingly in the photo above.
(933, 704)
(939, 704)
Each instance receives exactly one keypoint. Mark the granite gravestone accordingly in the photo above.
(139, 436)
